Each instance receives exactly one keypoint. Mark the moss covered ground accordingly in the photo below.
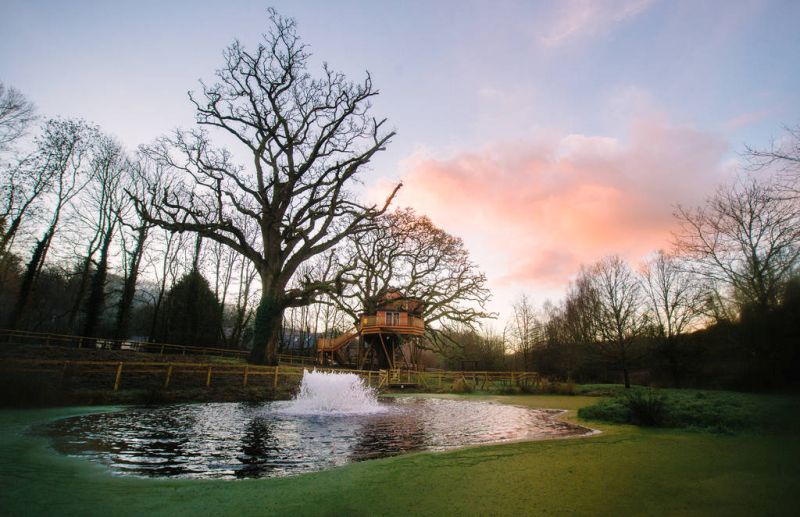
(626, 470)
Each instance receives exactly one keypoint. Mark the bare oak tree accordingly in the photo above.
(408, 252)
(307, 139)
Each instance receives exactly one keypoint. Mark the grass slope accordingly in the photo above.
(624, 471)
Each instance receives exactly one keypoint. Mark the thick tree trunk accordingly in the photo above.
(97, 292)
(267, 331)
(627, 377)
(28, 279)
(129, 288)
(83, 283)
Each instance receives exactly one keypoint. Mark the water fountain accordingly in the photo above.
(323, 393)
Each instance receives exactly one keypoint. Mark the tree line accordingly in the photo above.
(720, 308)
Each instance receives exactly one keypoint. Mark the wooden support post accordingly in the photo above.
(369, 378)
(275, 379)
(162, 350)
(169, 376)
(208, 377)
(246, 371)
(119, 375)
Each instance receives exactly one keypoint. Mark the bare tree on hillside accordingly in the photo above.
(675, 298)
(747, 238)
(307, 138)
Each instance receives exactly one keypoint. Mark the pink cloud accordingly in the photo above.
(537, 209)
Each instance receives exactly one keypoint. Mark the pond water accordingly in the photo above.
(333, 421)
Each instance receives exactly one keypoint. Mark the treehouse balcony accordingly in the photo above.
(384, 322)
(392, 322)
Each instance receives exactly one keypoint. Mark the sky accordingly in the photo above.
(544, 134)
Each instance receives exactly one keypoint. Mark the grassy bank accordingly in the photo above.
(626, 470)
(715, 411)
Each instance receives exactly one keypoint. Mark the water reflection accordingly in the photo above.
(226, 440)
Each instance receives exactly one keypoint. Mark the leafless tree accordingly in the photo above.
(106, 202)
(61, 157)
(164, 258)
(308, 138)
(783, 155)
(746, 237)
(675, 298)
(526, 330)
(620, 316)
(16, 115)
(23, 186)
(146, 181)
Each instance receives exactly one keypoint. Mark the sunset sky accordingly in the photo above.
(545, 134)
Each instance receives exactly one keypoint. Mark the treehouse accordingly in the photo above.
(385, 336)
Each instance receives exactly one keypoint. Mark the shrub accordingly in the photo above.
(647, 407)
(461, 386)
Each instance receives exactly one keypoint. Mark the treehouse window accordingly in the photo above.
(393, 318)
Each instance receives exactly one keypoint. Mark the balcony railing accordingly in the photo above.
(384, 321)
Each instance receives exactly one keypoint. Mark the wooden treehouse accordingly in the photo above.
(384, 338)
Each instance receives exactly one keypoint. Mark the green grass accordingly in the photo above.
(716, 411)
(626, 470)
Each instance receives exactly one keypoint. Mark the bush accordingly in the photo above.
(461, 386)
(647, 407)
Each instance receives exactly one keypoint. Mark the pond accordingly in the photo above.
(235, 440)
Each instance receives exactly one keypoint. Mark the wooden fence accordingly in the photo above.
(122, 374)
(23, 337)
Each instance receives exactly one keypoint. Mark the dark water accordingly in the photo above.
(229, 440)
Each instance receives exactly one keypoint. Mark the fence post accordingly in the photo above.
(117, 378)
(162, 350)
(244, 380)
(169, 375)
(275, 379)
(64, 371)
(369, 378)
(208, 377)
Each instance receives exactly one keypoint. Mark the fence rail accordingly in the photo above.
(23, 337)
(121, 374)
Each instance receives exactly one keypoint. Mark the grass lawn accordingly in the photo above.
(623, 471)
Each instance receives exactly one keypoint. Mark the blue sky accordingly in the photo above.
(570, 104)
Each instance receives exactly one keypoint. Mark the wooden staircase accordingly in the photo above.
(334, 346)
